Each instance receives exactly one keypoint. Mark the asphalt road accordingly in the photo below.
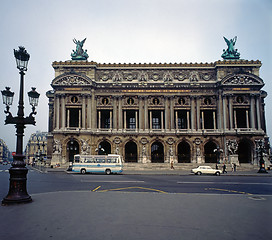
(61, 181)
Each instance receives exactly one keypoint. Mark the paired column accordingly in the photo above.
(252, 111)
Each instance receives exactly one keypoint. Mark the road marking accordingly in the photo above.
(107, 181)
(227, 190)
(96, 188)
(142, 188)
(235, 183)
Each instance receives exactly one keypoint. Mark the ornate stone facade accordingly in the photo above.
(156, 112)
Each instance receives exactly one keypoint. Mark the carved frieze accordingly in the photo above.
(71, 80)
(154, 75)
(242, 79)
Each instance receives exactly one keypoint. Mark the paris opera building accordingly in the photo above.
(157, 113)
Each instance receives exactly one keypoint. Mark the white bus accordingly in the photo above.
(107, 164)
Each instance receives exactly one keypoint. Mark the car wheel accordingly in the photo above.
(108, 171)
(83, 171)
(198, 173)
(217, 173)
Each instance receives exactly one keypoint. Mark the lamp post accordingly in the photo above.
(218, 152)
(260, 150)
(18, 172)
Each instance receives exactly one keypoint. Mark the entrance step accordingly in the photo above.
(183, 166)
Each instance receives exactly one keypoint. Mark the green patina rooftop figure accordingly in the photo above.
(230, 53)
(79, 54)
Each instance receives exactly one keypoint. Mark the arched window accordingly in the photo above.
(157, 152)
(244, 152)
(104, 148)
(131, 152)
(184, 151)
(209, 153)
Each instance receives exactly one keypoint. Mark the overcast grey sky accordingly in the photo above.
(126, 31)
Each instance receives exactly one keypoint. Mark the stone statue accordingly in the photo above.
(230, 53)
(117, 150)
(85, 148)
(79, 54)
(232, 146)
(57, 147)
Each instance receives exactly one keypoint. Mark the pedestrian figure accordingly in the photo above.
(172, 164)
(234, 167)
(216, 166)
(224, 168)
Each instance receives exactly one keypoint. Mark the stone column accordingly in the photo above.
(188, 119)
(230, 112)
(57, 115)
(99, 119)
(89, 112)
(252, 111)
(114, 113)
(172, 123)
(247, 119)
(146, 113)
(224, 112)
(167, 117)
(219, 111)
(203, 120)
(214, 120)
(120, 118)
(63, 115)
(141, 113)
(198, 112)
(136, 120)
(235, 119)
(110, 119)
(125, 119)
(176, 120)
(79, 119)
(94, 113)
(192, 113)
(83, 111)
(258, 109)
(150, 118)
(162, 121)
(68, 118)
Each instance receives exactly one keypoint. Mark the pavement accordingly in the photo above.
(139, 215)
(75, 215)
(251, 172)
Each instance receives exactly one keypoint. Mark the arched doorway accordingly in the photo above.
(184, 150)
(72, 149)
(157, 153)
(244, 152)
(210, 155)
(131, 152)
(104, 148)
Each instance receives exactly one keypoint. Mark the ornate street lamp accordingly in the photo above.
(18, 172)
(260, 150)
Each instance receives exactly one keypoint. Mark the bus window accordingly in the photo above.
(88, 160)
(77, 158)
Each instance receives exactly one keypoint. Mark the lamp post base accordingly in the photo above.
(262, 170)
(17, 187)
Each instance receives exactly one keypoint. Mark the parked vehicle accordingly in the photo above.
(206, 170)
(107, 164)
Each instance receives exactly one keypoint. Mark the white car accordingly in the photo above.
(206, 170)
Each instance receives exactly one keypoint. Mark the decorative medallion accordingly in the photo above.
(144, 141)
(170, 141)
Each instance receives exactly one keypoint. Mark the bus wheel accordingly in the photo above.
(108, 171)
(83, 171)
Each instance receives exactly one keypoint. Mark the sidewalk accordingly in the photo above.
(252, 172)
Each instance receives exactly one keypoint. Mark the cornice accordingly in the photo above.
(218, 63)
